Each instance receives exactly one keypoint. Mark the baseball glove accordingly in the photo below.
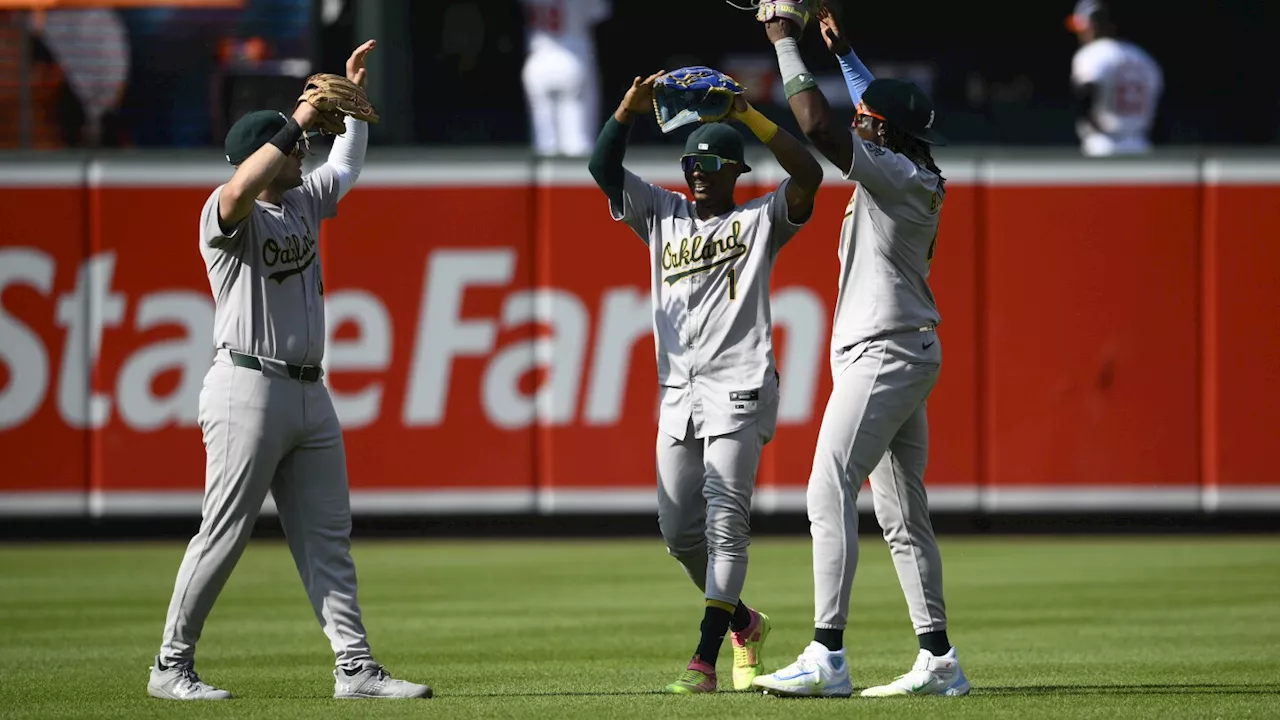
(797, 11)
(693, 94)
(335, 97)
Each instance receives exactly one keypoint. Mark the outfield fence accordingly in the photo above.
(1106, 334)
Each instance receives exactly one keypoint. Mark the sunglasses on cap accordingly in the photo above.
(864, 111)
(708, 162)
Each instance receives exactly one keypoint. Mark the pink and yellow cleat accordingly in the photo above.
(699, 677)
(748, 647)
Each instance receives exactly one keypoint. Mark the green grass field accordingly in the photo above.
(1158, 627)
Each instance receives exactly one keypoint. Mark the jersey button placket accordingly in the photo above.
(691, 333)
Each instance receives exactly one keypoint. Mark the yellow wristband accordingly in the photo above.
(763, 127)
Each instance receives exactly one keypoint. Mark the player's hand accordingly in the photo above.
(306, 115)
(831, 33)
(780, 28)
(639, 98)
(740, 105)
(355, 64)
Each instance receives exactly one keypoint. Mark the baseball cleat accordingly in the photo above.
(931, 675)
(180, 682)
(373, 681)
(699, 677)
(818, 672)
(748, 647)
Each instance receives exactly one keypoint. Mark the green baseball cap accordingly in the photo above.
(252, 131)
(905, 106)
(717, 138)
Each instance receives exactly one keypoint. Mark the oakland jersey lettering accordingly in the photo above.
(710, 292)
(271, 262)
(713, 253)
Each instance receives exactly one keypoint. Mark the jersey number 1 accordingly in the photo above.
(733, 283)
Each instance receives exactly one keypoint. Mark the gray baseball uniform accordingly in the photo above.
(885, 360)
(267, 420)
(712, 336)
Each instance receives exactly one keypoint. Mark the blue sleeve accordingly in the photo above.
(856, 75)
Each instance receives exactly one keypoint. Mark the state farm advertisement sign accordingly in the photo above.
(462, 354)
(493, 339)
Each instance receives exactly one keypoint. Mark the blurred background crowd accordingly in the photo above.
(544, 73)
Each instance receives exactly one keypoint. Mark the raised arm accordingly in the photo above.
(810, 107)
(346, 157)
(856, 75)
(330, 182)
(258, 170)
(792, 155)
(611, 146)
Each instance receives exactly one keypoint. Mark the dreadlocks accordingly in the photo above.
(914, 149)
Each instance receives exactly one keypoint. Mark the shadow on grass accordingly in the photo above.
(563, 693)
(1153, 689)
(979, 691)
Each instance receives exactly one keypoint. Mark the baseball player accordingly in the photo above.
(1117, 85)
(710, 263)
(885, 360)
(559, 74)
(267, 420)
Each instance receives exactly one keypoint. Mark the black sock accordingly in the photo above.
(741, 617)
(715, 623)
(832, 639)
(935, 642)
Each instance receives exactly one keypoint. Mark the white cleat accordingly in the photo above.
(180, 682)
(818, 672)
(373, 681)
(931, 675)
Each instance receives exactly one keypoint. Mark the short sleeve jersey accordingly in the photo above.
(709, 284)
(887, 242)
(265, 272)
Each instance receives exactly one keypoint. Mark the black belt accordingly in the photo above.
(305, 373)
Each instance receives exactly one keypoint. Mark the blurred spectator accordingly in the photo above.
(79, 67)
(181, 51)
(1116, 83)
(560, 76)
(92, 47)
(45, 85)
(331, 10)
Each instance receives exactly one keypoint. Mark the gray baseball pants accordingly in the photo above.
(705, 487)
(875, 426)
(264, 431)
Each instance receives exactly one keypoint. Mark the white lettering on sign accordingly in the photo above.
(442, 333)
(626, 318)
(560, 355)
(800, 314)
(190, 355)
(85, 314)
(369, 352)
(568, 368)
(21, 349)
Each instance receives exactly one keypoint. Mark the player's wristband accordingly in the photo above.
(288, 136)
(796, 78)
(763, 127)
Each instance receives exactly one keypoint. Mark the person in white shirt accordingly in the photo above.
(1116, 84)
(560, 78)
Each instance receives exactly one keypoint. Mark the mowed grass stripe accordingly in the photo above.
(1083, 627)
